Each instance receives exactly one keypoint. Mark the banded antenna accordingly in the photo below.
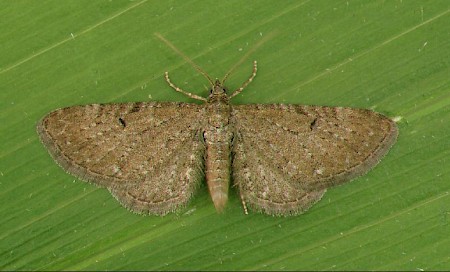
(185, 57)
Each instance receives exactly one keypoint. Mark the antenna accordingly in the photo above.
(185, 57)
(260, 42)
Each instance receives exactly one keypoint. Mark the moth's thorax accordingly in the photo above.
(218, 108)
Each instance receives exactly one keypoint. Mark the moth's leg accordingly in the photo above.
(166, 76)
(238, 91)
(244, 204)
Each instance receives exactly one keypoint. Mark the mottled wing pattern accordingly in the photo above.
(149, 155)
(285, 156)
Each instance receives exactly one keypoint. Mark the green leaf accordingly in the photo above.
(390, 56)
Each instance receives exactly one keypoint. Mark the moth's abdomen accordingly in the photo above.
(218, 145)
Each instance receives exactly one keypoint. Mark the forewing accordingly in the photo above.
(284, 153)
(149, 155)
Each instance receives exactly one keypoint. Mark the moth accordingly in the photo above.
(152, 156)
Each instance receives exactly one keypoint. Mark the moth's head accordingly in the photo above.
(217, 88)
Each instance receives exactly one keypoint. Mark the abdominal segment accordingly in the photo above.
(218, 163)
